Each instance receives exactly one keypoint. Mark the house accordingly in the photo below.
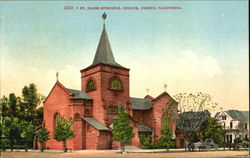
(105, 84)
(235, 123)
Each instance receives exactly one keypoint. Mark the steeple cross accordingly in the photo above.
(104, 16)
(57, 75)
(165, 87)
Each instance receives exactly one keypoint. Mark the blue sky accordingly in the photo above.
(202, 47)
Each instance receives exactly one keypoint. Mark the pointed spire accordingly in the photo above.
(104, 52)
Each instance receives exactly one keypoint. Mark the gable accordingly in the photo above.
(164, 100)
(218, 115)
(164, 97)
(56, 87)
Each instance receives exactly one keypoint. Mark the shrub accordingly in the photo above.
(237, 140)
(145, 141)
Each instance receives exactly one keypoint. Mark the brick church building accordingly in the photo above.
(104, 85)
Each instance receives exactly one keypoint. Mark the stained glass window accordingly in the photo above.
(115, 83)
(54, 121)
(112, 109)
(90, 85)
(77, 116)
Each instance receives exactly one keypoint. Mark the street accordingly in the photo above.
(210, 154)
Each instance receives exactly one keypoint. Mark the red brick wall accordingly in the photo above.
(116, 145)
(78, 131)
(91, 138)
(77, 127)
(158, 105)
(102, 96)
(145, 117)
(104, 140)
(57, 102)
(98, 111)
(135, 140)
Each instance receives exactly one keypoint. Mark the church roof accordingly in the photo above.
(143, 128)
(93, 122)
(104, 54)
(141, 103)
(77, 94)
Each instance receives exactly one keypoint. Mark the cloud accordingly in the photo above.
(15, 78)
(189, 71)
(190, 65)
(185, 71)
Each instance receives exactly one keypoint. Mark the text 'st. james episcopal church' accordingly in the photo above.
(104, 85)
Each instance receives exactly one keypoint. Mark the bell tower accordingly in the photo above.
(105, 81)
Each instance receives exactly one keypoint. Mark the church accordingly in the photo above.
(104, 85)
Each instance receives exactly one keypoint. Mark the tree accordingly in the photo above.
(27, 132)
(43, 136)
(39, 114)
(30, 102)
(211, 128)
(166, 138)
(195, 102)
(3, 114)
(4, 104)
(190, 122)
(11, 129)
(194, 110)
(122, 131)
(13, 104)
(16, 109)
(63, 131)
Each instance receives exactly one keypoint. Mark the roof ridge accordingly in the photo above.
(73, 89)
(140, 98)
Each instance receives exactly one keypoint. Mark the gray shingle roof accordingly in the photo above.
(140, 103)
(77, 94)
(104, 53)
(239, 115)
(143, 128)
(95, 123)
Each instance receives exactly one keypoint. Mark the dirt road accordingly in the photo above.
(211, 154)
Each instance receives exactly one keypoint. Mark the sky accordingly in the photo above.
(202, 47)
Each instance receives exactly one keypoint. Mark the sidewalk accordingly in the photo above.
(119, 151)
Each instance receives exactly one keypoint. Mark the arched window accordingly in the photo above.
(77, 116)
(87, 112)
(115, 83)
(90, 85)
(54, 121)
(112, 109)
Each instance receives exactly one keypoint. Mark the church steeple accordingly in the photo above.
(104, 52)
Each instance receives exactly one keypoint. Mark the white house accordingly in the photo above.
(235, 123)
